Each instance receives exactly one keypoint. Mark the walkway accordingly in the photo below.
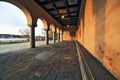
(51, 62)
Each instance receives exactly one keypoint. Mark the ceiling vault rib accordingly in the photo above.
(54, 6)
(65, 12)
(66, 4)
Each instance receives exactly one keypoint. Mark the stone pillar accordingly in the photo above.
(47, 37)
(46, 28)
(32, 36)
(61, 35)
(58, 37)
(53, 33)
(58, 34)
(53, 37)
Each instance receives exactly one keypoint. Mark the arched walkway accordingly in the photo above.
(28, 17)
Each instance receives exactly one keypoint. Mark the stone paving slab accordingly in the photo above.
(61, 63)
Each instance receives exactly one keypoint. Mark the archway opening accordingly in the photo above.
(40, 33)
(13, 25)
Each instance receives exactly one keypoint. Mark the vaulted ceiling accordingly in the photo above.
(66, 12)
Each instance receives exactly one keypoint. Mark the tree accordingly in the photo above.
(43, 32)
(25, 32)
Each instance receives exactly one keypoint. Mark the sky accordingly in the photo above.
(12, 19)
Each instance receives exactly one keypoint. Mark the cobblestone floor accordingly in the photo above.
(51, 62)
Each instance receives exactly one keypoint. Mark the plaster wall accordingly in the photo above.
(99, 31)
(66, 36)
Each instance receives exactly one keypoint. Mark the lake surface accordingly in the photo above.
(12, 39)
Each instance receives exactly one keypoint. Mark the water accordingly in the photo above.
(12, 39)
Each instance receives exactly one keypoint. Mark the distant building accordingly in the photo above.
(39, 38)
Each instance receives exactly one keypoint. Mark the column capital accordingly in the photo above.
(46, 29)
(33, 25)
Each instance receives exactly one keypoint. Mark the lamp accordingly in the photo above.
(62, 16)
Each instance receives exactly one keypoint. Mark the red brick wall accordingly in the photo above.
(99, 31)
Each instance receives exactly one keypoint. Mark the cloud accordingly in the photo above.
(9, 29)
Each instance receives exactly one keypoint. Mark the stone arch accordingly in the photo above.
(44, 23)
(40, 27)
(46, 28)
(21, 7)
(52, 27)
